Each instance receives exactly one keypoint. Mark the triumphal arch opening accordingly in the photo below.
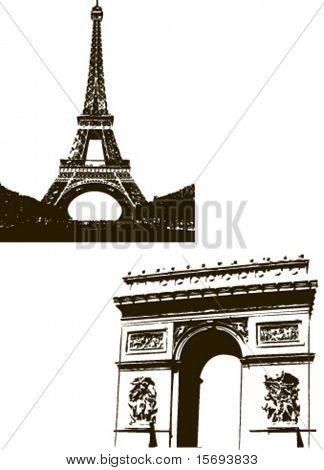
(174, 322)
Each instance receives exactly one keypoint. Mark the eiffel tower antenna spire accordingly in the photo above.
(95, 101)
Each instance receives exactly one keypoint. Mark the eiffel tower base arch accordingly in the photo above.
(68, 193)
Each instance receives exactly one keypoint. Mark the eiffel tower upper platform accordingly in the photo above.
(77, 173)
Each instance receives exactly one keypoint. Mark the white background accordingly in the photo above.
(179, 74)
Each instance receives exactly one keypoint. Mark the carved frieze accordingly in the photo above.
(179, 330)
(241, 326)
(142, 401)
(146, 341)
(282, 399)
(285, 332)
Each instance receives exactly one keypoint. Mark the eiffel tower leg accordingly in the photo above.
(55, 192)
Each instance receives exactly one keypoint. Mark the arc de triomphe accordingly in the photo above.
(173, 322)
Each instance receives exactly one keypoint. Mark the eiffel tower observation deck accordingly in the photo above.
(78, 174)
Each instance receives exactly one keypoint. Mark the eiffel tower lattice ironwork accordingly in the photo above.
(78, 174)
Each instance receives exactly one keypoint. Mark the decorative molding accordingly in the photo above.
(243, 270)
(276, 359)
(283, 429)
(148, 364)
(281, 333)
(216, 292)
(282, 399)
(179, 330)
(142, 429)
(150, 341)
(240, 326)
(142, 401)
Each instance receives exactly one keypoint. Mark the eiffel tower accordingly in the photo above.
(78, 174)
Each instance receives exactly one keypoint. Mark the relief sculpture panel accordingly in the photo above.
(150, 341)
(282, 399)
(279, 333)
(143, 401)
